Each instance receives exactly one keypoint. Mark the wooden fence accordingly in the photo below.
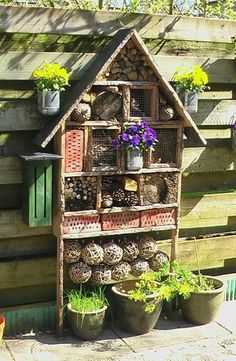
(30, 36)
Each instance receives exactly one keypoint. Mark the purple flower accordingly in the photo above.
(149, 142)
(115, 143)
(144, 124)
(234, 126)
(149, 134)
(135, 140)
(132, 129)
(124, 137)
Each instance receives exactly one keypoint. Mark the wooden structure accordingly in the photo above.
(73, 38)
(122, 86)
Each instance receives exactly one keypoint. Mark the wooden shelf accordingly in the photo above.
(161, 169)
(121, 209)
(117, 232)
(114, 124)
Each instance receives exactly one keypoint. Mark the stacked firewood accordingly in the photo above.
(130, 64)
(80, 193)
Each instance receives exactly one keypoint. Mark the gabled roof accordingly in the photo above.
(96, 68)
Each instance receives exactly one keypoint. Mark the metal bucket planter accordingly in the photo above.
(130, 316)
(202, 308)
(189, 100)
(48, 102)
(86, 325)
(2, 326)
(134, 159)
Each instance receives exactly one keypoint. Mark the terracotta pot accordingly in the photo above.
(130, 316)
(202, 308)
(2, 326)
(86, 325)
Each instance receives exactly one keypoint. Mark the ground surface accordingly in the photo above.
(174, 340)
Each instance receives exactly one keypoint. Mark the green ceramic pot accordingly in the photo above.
(130, 316)
(202, 308)
(86, 325)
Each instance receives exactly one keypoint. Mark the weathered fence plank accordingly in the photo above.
(28, 272)
(11, 225)
(215, 182)
(27, 246)
(19, 115)
(10, 170)
(219, 70)
(198, 160)
(215, 112)
(80, 22)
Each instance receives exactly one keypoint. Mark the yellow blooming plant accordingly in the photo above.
(191, 79)
(51, 77)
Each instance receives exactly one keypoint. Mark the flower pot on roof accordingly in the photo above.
(50, 80)
(189, 83)
(135, 138)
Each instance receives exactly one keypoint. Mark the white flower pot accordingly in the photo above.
(134, 159)
(48, 102)
(189, 100)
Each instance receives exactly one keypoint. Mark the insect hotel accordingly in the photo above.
(105, 210)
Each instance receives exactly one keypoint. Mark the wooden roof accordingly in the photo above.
(96, 68)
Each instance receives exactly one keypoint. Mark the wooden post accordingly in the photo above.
(59, 208)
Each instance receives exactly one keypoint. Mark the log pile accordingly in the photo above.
(80, 193)
(130, 64)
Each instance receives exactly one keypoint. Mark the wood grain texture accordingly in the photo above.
(219, 70)
(198, 160)
(20, 115)
(10, 170)
(81, 22)
(215, 112)
(27, 246)
(28, 272)
(212, 251)
(11, 225)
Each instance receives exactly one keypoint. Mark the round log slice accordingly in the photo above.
(107, 105)
(154, 190)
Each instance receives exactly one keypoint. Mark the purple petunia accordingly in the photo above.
(234, 126)
(138, 135)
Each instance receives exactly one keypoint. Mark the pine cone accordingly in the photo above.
(131, 199)
(118, 197)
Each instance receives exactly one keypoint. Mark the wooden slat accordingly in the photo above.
(12, 94)
(215, 181)
(66, 21)
(212, 251)
(208, 206)
(9, 196)
(208, 160)
(11, 225)
(28, 272)
(214, 95)
(10, 170)
(219, 70)
(20, 115)
(15, 143)
(27, 246)
(215, 112)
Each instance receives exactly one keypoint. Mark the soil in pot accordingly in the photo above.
(86, 325)
(202, 308)
(130, 316)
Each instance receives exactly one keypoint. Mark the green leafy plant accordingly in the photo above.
(193, 79)
(177, 280)
(51, 77)
(83, 300)
(170, 281)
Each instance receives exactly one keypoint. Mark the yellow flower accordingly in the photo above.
(51, 76)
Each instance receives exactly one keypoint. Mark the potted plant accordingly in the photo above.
(135, 138)
(2, 326)
(138, 302)
(190, 82)
(200, 296)
(86, 312)
(50, 80)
